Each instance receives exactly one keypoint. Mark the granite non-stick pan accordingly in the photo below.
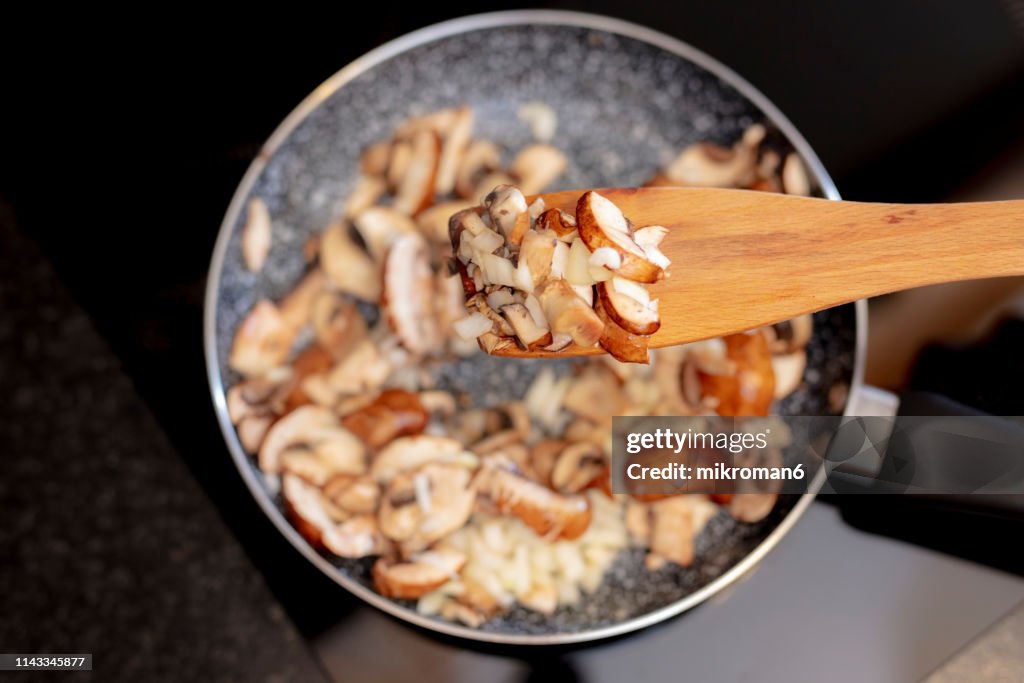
(626, 98)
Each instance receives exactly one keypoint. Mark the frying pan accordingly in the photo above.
(627, 98)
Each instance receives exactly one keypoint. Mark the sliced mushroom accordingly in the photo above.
(541, 598)
(577, 467)
(794, 176)
(549, 514)
(530, 334)
(543, 457)
(620, 343)
(398, 163)
(362, 369)
(314, 429)
(379, 227)
(252, 430)
(337, 324)
(355, 495)
(313, 361)
(433, 222)
(422, 574)
(595, 394)
(752, 507)
(601, 224)
(791, 335)
(675, 523)
(408, 297)
(365, 194)
(480, 158)
(307, 508)
(260, 396)
(500, 326)
(375, 158)
(392, 414)
(262, 341)
(504, 205)
(563, 224)
(425, 505)
(411, 452)
(489, 182)
(456, 137)
(256, 235)
(536, 254)
(708, 165)
(347, 265)
(536, 166)
(623, 301)
(789, 372)
(415, 191)
(568, 314)
(750, 389)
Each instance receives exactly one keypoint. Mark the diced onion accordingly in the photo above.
(559, 260)
(499, 298)
(577, 270)
(472, 326)
(536, 312)
(497, 270)
(487, 241)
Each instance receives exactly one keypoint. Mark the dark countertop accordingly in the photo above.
(110, 546)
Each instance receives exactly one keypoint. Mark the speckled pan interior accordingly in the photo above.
(624, 107)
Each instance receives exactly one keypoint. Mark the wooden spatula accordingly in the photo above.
(743, 259)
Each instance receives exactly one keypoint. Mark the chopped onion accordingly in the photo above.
(536, 312)
(559, 260)
(577, 270)
(497, 270)
(650, 236)
(472, 326)
(487, 241)
(523, 278)
(537, 208)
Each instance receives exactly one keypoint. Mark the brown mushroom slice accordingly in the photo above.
(549, 514)
(398, 162)
(422, 574)
(789, 372)
(314, 361)
(316, 429)
(751, 507)
(353, 494)
(543, 457)
(622, 344)
(392, 414)
(412, 452)
(337, 324)
(750, 389)
(379, 227)
(256, 235)
(536, 254)
(415, 191)
(374, 160)
(365, 194)
(708, 165)
(530, 334)
(794, 176)
(601, 224)
(306, 506)
(675, 523)
(480, 158)
(791, 335)
(252, 430)
(623, 301)
(423, 506)
(568, 314)
(433, 222)
(649, 238)
(408, 297)
(262, 341)
(362, 369)
(595, 395)
(297, 306)
(347, 265)
(259, 396)
(456, 137)
(562, 223)
(504, 204)
(577, 467)
(536, 166)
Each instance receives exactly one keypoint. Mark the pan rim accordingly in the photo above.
(359, 66)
